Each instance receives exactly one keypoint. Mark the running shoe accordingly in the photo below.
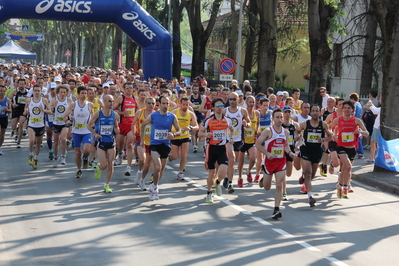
(115, 162)
(16, 139)
(303, 189)
(127, 171)
(369, 160)
(11, 134)
(63, 160)
(204, 155)
(78, 174)
(360, 156)
(230, 189)
(97, 173)
(30, 160)
(119, 159)
(152, 178)
(249, 177)
(312, 201)
(139, 173)
(325, 170)
(350, 189)
(155, 194)
(1, 151)
(339, 193)
(18, 145)
(92, 164)
(276, 215)
(34, 165)
(240, 182)
(218, 190)
(24, 133)
(285, 198)
(195, 149)
(301, 180)
(180, 176)
(345, 193)
(51, 155)
(107, 189)
(321, 169)
(208, 198)
(331, 169)
(69, 144)
(257, 178)
(225, 182)
(137, 160)
(142, 185)
(55, 162)
(260, 183)
(85, 163)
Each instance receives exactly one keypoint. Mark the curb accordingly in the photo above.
(372, 181)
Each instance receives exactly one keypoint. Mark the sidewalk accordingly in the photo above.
(385, 181)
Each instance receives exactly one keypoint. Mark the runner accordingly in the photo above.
(5, 109)
(81, 135)
(347, 127)
(49, 119)
(196, 99)
(161, 136)
(215, 128)
(314, 134)
(59, 105)
(265, 120)
(325, 112)
(36, 107)
(275, 138)
(250, 134)
(97, 105)
(18, 98)
(180, 144)
(105, 122)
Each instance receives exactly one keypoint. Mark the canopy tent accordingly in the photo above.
(186, 61)
(13, 50)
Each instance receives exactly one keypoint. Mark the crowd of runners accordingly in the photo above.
(115, 117)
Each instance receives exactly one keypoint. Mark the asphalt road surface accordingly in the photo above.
(48, 217)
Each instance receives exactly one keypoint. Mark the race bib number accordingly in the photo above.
(236, 132)
(290, 140)
(21, 100)
(261, 129)
(348, 137)
(131, 112)
(249, 132)
(219, 135)
(106, 129)
(147, 130)
(313, 137)
(59, 118)
(184, 132)
(35, 120)
(160, 134)
(278, 152)
(80, 125)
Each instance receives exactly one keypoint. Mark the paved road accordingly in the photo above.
(50, 218)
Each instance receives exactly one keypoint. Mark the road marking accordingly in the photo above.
(261, 221)
(168, 167)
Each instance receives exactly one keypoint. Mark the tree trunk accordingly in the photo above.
(319, 16)
(131, 48)
(267, 47)
(232, 42)
(177, 17)
(251, 38)
(387, 14)
(366, 80)
(116, 45)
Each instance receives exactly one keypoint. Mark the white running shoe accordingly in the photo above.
(63, 160)
(119, 159)
(180, 176)
(55, 162)
(154, 192)
(142, 185)
(127, 171)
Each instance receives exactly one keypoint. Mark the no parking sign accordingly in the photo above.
(227, 66)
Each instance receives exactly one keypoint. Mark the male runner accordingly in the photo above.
(265, 120)
(5, 108)
(18, 98)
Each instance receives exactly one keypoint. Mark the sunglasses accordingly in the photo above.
(233, 99)
(219, 105)
(110, 101)
(322, 91)
(151, 103)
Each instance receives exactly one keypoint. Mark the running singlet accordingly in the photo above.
(20, 99)
(302, 119)
(3, 104)
(218, 128)
(161, 126)
(276, 145)
(147, 130)
(128, 104)
(264, 121)
(36, 116)
(291, 130)
(81, 117)
(249, 132)
(208, 104)
(297, 108)
(96, 105)
(184, 121)
(49, 118)
(59, 111)
(236, 119)
(311, 135)
(197, 102)
(345, 132)
(105, 126)
(326, 113)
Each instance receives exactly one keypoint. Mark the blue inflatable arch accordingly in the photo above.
(128, 15)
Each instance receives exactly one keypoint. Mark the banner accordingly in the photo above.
(387, 154)
(23, 36)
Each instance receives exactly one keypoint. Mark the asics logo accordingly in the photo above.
(64, 6)
(138, 24)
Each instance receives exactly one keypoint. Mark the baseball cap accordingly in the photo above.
(105, 85)
(287, 108)
(57, 79)
(280, 93)
(53, 85)
(239, 92)
(15, 72)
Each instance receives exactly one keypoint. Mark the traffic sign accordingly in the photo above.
(25, 28)
(226, 77)
(68, 53)
(227, 66)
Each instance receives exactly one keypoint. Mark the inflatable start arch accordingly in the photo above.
(128, 15)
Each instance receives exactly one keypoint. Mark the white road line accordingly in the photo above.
(168, 167)
(335, 261)
(306, 245)
(260, 220)
(238, 208)
(282, 232)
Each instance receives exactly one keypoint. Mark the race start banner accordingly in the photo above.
(387, 154)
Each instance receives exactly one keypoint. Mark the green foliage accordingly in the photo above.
(338, 11)
(253, 75)
(279, 81)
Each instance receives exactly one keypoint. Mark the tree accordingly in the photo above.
(253, 26)
(177, 8)
(116, 45)
(199, 35)
(320, 14)
(387, 13)
(267, 46)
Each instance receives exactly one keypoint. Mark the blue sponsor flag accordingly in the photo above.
(387, 154)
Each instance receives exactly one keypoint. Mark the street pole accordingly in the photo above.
(169, 13)
(238, 61)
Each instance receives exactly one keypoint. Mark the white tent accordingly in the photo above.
(13, 50)
(186, 61)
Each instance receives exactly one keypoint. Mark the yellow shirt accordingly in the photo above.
(184, 121)
(96, 105)
(250, 132)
